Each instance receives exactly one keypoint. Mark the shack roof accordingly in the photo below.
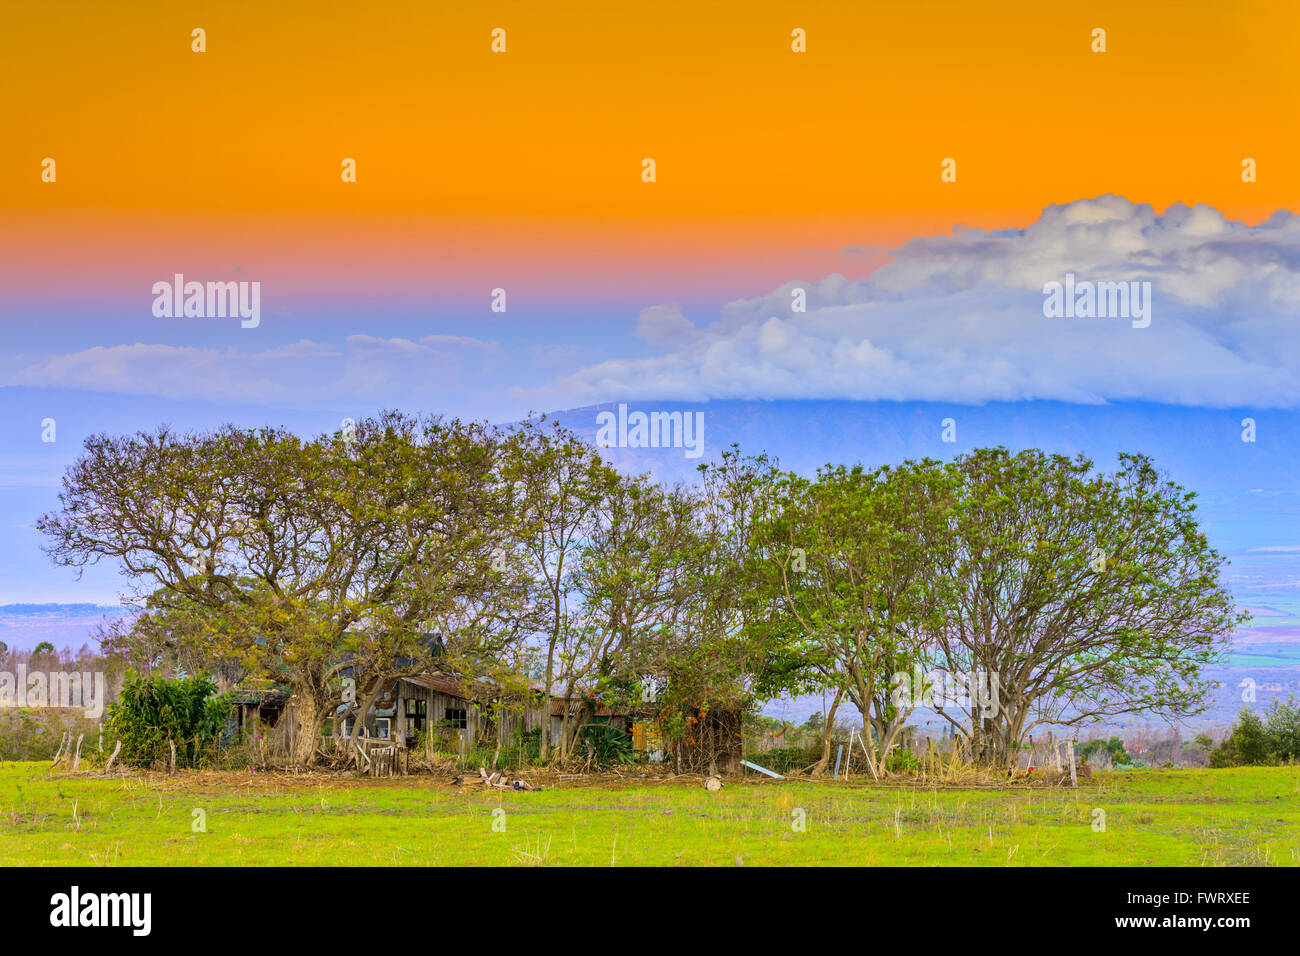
(440, 682)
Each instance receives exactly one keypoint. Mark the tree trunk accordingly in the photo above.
(819, 768)
(544, 740)
(310, 718)
(564, 728)
(573, 728)
(363, 710)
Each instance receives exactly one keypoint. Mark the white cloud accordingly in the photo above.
(301, 373)
(665, 325)
(948, 318)
(959, 318)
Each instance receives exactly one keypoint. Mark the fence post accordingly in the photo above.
(109, 766)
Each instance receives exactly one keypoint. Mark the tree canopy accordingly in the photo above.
(1006, 590)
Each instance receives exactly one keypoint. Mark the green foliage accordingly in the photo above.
(30, 734)
(1257, 741)
(901, 760)
(1113, 748)
(276, 557)
(786, 760)
(530, 745)
(1282, 721)
(608, 745)
(153, 710)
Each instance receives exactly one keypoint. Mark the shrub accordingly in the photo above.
(36, 734)
(785, 760)
(153, 710)
(1282, 723)
(1247, 743)
(1256, 741)
(1113, 748)
(901, 760)
(607, 745)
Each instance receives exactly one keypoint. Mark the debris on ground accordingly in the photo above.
(496, 780)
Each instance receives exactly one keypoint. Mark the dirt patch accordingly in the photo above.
(284, 781)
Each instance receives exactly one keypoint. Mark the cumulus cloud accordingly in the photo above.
(956, 318)
(960, 318)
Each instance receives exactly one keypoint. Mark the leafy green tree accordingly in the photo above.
(856, 551)
(1261, 741)
(633, 578)
(1112, 748)
(173, 637)
(1282, 721)
(559, 484)
(297, 559)
(722, 652)
(1247, 745)
(1089, 595)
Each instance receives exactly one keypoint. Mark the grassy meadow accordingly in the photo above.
(1247, 816)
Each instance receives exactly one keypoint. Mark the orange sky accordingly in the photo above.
(533, 157)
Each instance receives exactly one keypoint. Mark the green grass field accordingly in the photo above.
(1245, 816)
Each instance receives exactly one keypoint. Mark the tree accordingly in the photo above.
(629, 584)
(1283, 722)
(1248, 743)
(299, 559)
(1256, 741)
(720, 650)
(855, 550)
(558, 484)
(1086, 595)
(173, 637)
(1112, 748)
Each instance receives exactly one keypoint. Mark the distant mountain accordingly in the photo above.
(1201, 448)
(54, 611)
(23, 626)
